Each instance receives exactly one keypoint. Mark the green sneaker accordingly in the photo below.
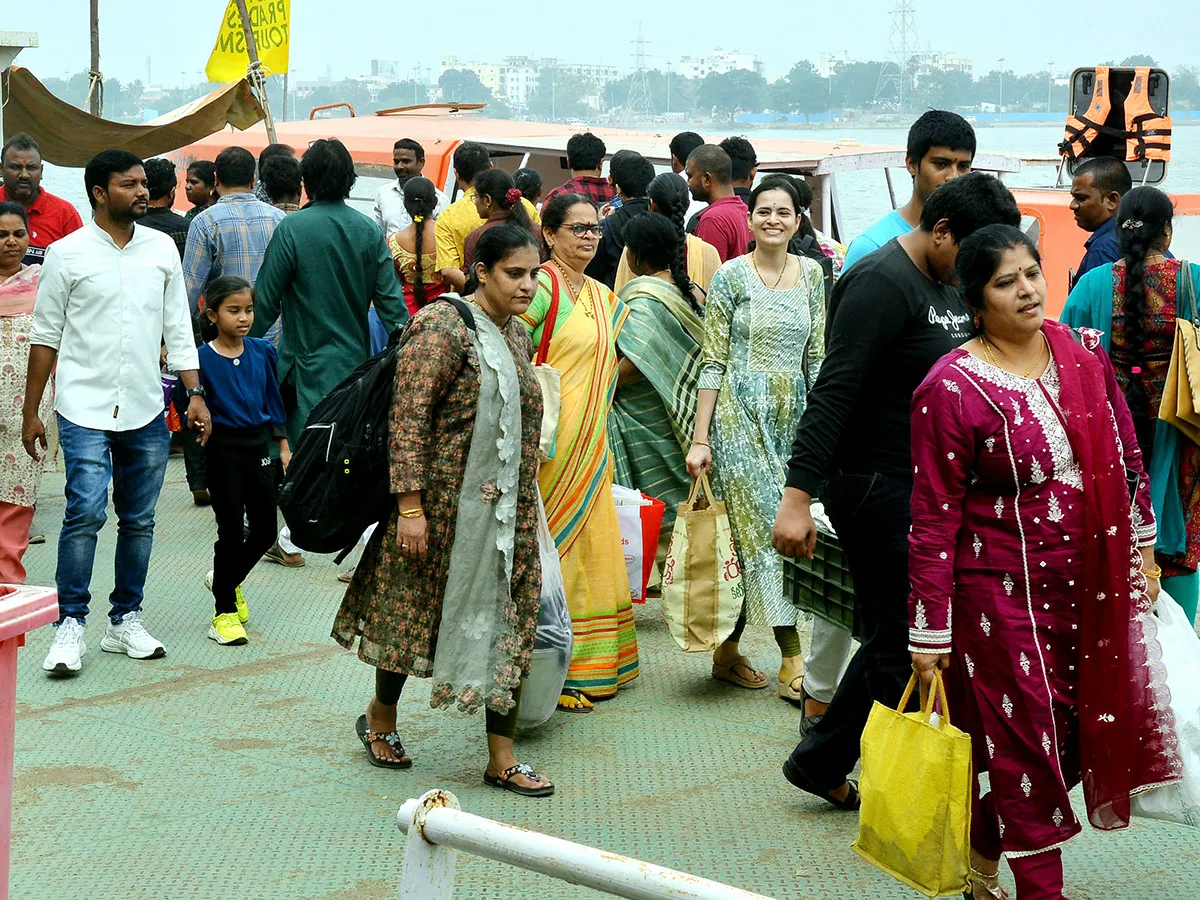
(243, 611)
(227, 630)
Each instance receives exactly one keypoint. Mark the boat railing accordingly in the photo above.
(437, 829)
(312, 114)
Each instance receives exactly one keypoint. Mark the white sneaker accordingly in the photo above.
(66, 653)
(131, 638)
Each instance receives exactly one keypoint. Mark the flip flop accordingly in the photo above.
(582, 703)
(726, 673)
(502, 781)
(796, 778)
(390, 737)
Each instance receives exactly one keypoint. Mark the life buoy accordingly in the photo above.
(1148, 133)
(1084, 128)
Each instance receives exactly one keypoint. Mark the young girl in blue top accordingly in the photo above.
(242, 390)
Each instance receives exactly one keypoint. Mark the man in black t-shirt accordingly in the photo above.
(890, 319)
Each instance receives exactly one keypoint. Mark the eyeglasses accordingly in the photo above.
(580, 229)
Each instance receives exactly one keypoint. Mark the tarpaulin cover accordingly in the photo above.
(70, 137)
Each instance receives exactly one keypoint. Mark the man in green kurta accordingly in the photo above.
(324, 268)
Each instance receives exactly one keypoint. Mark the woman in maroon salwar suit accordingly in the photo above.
(1033, 572)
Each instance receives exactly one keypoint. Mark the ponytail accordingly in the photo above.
(420, 200)
(669, 194)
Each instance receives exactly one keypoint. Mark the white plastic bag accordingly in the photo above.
(1179, 802)
(629, 517)
(553, 644)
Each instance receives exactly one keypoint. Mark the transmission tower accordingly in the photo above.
(901, 44)
(637, 106)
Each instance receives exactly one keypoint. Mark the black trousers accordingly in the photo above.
(241, 480)
(388, 686)
(872, 517)
(194, 456)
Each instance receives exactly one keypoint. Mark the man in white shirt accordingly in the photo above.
(110, 295)
(408, 161)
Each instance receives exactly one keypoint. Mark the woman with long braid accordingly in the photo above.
(417, 269)
(1134, 302)
(650, 426)
(669, 195)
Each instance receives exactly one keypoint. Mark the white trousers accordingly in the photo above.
(826, 662)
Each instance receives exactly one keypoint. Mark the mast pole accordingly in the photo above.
(95, 85)
(255, 69)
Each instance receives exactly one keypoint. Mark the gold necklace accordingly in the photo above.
(775, 286)
(571, 292)
(987, 348)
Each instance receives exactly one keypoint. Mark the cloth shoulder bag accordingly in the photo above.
(549, 378)
(1180, 404)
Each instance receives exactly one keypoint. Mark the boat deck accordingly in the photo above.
(235, 772)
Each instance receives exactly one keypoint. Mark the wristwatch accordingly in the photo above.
(197, 391)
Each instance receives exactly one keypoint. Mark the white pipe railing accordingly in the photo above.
(437, 827)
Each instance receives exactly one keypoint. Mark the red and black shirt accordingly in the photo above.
(50, 219)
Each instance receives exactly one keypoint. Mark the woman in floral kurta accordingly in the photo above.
(1029, 498)
(763, 346)
(393, 607)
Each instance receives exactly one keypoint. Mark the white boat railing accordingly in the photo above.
(437, 827)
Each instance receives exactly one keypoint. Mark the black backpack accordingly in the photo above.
(337, 484)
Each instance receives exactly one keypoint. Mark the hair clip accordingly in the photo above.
(1132, 224)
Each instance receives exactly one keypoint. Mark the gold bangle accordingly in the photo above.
(415, 513)
(701, 444)
(1155, 573)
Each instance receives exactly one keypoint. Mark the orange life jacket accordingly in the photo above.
(1083, 129)
(1149, 134)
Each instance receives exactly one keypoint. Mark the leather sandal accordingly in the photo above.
(573, 701)
(990, 884)
(807, 722)
(725, 672)
(796, 778)
(391, 738)
(504, 780)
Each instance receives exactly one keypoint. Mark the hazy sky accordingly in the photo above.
(177, 35)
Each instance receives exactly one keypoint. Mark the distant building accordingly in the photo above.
(489, 74)
(521, 75)
(719, 62)
(829, 63)
(933, 61)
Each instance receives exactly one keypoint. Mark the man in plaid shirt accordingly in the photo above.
(231, 236)
(585, 157)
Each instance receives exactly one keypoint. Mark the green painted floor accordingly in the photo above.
(235, 772)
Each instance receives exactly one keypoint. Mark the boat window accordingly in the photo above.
(362, 197)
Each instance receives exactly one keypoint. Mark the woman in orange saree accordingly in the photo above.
(584, 318)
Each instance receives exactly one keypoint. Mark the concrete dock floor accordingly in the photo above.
(231, 772)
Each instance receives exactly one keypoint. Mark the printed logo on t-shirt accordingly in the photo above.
(954, 322)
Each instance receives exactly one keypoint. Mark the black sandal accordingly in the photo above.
(796, 778)
(502, 781)
(807, 722)
(391, 738)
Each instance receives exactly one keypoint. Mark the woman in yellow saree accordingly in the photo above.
(577, 482)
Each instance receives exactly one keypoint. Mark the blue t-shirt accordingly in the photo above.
(890, 226)
(1102, 247)
(242, 393)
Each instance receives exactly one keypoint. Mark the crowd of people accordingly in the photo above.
(696, 322)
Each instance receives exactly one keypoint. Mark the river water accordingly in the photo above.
(863, 195)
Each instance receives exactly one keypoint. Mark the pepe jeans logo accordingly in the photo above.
(953, 322)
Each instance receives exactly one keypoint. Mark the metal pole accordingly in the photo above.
(1050, 86)
(1000, 108)
(94, 91)
(436, 819)
(255, 68)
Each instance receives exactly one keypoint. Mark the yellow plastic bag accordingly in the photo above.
(916, 796)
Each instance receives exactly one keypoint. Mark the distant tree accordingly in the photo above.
(463, 86)
(1185, 87)
(673, 93)
(941, 89)
(854, 84)
(802, 90)
(729, 92)
(1139, 59)
(404, 93)
(560, 95)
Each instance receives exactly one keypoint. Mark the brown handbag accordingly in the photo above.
(1181, 394)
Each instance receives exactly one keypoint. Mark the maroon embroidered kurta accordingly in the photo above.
(997, 567)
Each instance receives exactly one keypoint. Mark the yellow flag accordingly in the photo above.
(271, 23)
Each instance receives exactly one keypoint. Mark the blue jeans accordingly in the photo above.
(135, 461)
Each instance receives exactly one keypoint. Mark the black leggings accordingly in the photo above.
(388, 686)
(241, 480)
